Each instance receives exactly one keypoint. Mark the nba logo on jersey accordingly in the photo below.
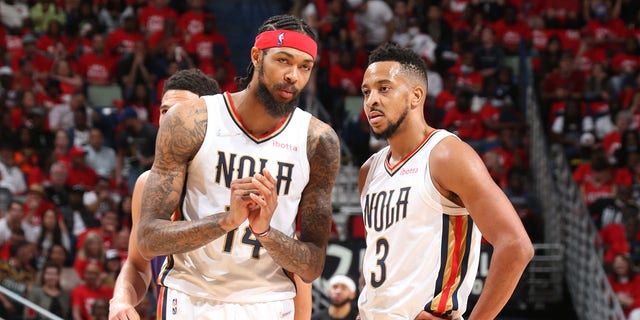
(280, 39)
(174, 306)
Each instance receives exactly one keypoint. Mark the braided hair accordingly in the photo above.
(278, 22)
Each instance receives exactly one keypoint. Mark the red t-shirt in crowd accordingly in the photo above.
(593, 192)
(471, 79)
(468, 124)
(623, 62)
(590, 57)
(201, 45)
(84, 297)
(341, 78)
(191, 22)
(600, 30)
(96, 69)
(120, 42)
(570, 39)
(511, 35)
(445, 100)
(488, 111)
(152, 18)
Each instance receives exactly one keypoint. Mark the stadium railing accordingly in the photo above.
(568, 224)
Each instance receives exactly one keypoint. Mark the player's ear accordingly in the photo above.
(256, 54)
(418, 95)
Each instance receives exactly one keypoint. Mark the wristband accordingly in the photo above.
(261, 234)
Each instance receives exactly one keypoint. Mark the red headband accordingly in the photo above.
(287, 38)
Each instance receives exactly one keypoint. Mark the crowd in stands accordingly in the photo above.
(68, 163)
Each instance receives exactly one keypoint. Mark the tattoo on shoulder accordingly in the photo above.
(323, 145)
(181, 135)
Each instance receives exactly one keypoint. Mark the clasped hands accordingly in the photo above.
(253, 198)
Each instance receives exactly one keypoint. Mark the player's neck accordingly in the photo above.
(406, 140)
(253, 114)
(340, 312)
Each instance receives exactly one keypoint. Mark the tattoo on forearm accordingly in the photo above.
(306, 257)
(178, 141)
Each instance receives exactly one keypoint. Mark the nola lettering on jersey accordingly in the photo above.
(232, 166)
(384, 208)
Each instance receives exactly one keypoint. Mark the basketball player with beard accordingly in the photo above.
(251, 164)
(427, 201)
(342, 292)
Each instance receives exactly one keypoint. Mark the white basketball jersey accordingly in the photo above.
(422, 249)
(235, 267)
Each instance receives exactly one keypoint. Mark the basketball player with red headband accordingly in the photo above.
(251, 164)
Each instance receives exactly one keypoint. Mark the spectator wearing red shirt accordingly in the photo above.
(446, 99)
(61, 146)
(169, 36)
(84, 295)
(625, 283)
(107, 229)
(201, 45)
(453, 10)
(30, 53)
(91, 251)
(510, 31)
(36, 204)
(565, 82)
(121, 41)
(571, 38)
(588, 55)
(97, 67)
(600, 184)
(625, 63)
(153, 15)
(505, 156)
(12, 42)
(192, 21)
(539, 33)
(560, 14)
(605, 30)
(70, 81)
(464, 122)
(498, 113)
(80, 174)
(345, 76)
(469, 79)
(583, 171)
(46, 42)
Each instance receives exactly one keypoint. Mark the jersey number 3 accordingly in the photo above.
(382, 250)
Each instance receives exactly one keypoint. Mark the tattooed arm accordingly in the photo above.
(306, 257)
(179, 138)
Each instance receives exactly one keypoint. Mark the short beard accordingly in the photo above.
(392, 128)
(339, 304)
(274, 108)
